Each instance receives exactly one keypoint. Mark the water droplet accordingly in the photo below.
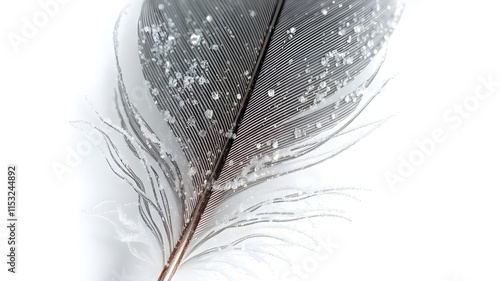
(333, 116)
(252, 13)
(192, 171)
(276, 156)
(324, 11)
(168, 65)
(161, 6)
(204, 64)
(319, 125)
(271, 93)
(324, 61)
(188, 81)
(364, 51)
(238, 96)
(275, 144)
(209, 113)
(168, 117)
(298, 133)
(210, 18)
(195, 39)
(231, 34)
(172, 82)
(293, 30)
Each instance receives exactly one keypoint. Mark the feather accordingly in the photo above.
(248, 91)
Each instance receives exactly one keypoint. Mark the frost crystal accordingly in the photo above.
(275, 144)
(209, 113)
(192, 171)
(202, 80)
(188, 81)
(324, 61)
(168, 117)
(299, 133)
(195, 39)
(364, 51)
(172, 82)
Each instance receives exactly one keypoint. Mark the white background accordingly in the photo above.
(441, 223)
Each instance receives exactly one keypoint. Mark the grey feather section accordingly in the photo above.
(196, 57)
